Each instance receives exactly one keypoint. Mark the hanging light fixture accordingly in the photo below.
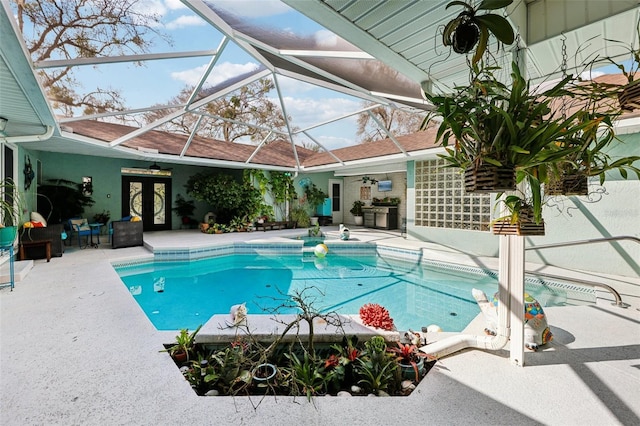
(154, 166)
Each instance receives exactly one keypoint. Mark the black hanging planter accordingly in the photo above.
(489, 178)
(466, 35)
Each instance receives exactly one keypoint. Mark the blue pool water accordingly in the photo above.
(176, 295)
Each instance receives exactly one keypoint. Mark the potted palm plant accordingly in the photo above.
(182, 349)
(356, 211)
(184, 208)
(315, 197)
(11, 208)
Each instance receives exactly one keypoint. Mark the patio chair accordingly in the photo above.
(110, 227)
(80, 228)
(124, 233)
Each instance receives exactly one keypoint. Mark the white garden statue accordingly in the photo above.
(536, 329)
(344, 232)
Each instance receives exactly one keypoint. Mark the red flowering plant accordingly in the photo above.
(409, 354)
(375, 315)
(339, 366)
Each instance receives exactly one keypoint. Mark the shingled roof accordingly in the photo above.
(277, 153)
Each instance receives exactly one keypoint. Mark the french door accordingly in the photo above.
(148, 198)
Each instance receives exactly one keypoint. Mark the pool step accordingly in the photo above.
(307, 254)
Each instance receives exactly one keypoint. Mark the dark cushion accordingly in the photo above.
(126, 234)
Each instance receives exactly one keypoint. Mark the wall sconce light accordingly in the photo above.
(3, 124)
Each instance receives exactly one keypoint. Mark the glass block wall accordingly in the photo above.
(441, 201)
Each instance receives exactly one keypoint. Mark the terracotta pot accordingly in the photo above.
(179, 356)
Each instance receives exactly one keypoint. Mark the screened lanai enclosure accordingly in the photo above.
(319, 64)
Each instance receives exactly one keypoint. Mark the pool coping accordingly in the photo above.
(267, 328)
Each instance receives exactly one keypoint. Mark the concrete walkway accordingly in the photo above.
(75, 349)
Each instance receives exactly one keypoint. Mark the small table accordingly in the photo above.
(95, 227)
(38, 243)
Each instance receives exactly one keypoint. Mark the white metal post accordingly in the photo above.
(516, 281)
(504, 292)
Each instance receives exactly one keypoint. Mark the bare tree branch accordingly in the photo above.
(396, 121)
(83, 29)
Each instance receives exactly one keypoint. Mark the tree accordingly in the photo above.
(249, 104)
(84, 29)
(227, 196)
(394, 120)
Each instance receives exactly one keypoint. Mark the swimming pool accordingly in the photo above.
(176, 295)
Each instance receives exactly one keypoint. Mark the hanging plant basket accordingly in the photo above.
(629, 97)
(574, 184)
(489, 178)
(521, 227)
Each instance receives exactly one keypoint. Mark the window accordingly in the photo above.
(441, 201)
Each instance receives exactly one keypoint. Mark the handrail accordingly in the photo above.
(580, 242)
(612, 290)
(607, 287)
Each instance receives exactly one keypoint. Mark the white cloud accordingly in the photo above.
(185, 21)
(150, 7)
(308, 111)
(325, 38)
(590, 75)
(174, 4)
(291, 85)
(221, 72)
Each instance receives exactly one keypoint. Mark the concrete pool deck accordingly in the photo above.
(75, 349)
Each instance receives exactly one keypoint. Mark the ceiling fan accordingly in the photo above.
(156, 166)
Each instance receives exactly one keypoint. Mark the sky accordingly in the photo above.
(156, 82)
